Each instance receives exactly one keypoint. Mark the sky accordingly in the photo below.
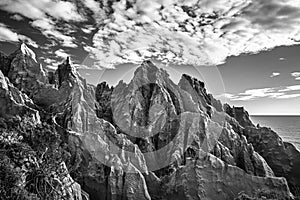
(246, 51)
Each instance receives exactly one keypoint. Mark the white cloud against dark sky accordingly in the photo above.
(103, 34)
(183, 32)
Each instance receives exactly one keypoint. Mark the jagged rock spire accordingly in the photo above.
(23, 49)
(65, 71)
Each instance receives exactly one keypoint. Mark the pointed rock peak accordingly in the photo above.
(25, 50)
(192, 81)
(65, 71)
(146, 70)
(67, 61)
(149, 65)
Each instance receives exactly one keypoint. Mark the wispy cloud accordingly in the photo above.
(45, 15)
(61, 53)
(9, 35)
(274, 74)
(38, 9)
(288, 96)
(290, 88)
(285, 92)
(48, 28)
(296, 75)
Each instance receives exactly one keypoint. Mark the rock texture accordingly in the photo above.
(210, 178)
(148, 139)
(282, 157)
(13, 102)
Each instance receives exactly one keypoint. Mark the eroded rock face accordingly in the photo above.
(234, 149)
(281, 156)
(107, 171)
(190, 124)
(240, 114)
(25, 72)
(209, 178)
(15, 103)
(23, 80)
(149, 139)
(161, 117)
(4, 63)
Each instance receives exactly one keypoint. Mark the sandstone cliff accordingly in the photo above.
(148, 139)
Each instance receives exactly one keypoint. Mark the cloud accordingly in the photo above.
(296, 75)
(8, 35)
(285, 92)
(192, 32)
(80, 66)
(257, 93)
(274, 74)
(189, 32)
(288, 96)
(98, 11)
(17, 17)
(49, 61)
(61, 53)
(45, 16)
(290, 88)
(88, 29)
(38, 9)
(48, 28)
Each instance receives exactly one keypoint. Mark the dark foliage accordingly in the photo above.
(31, 156)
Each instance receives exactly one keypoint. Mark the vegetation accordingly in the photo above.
(31, 161)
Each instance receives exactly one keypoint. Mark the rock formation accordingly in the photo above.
(282, 157)
(148, 139)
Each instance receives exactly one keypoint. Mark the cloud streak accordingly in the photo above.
(286, 92)
(274, 74)
(296, 75)
(9, 35)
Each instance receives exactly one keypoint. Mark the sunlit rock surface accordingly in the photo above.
(210, 178)
(13, 102)
(282, 157)
(150, 138)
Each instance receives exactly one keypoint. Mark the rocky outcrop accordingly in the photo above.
(281, 156)
(15, 103)
(235, 150)
(25, 72)
(172, 124)
(148, 139)
(4, 63)
(209, 178)
(103, 98)
(240, 114)
(106, 171)
(22, 81)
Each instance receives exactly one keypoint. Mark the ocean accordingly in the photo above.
(288, 127)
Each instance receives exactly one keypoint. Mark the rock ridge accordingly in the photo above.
(150, 138)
